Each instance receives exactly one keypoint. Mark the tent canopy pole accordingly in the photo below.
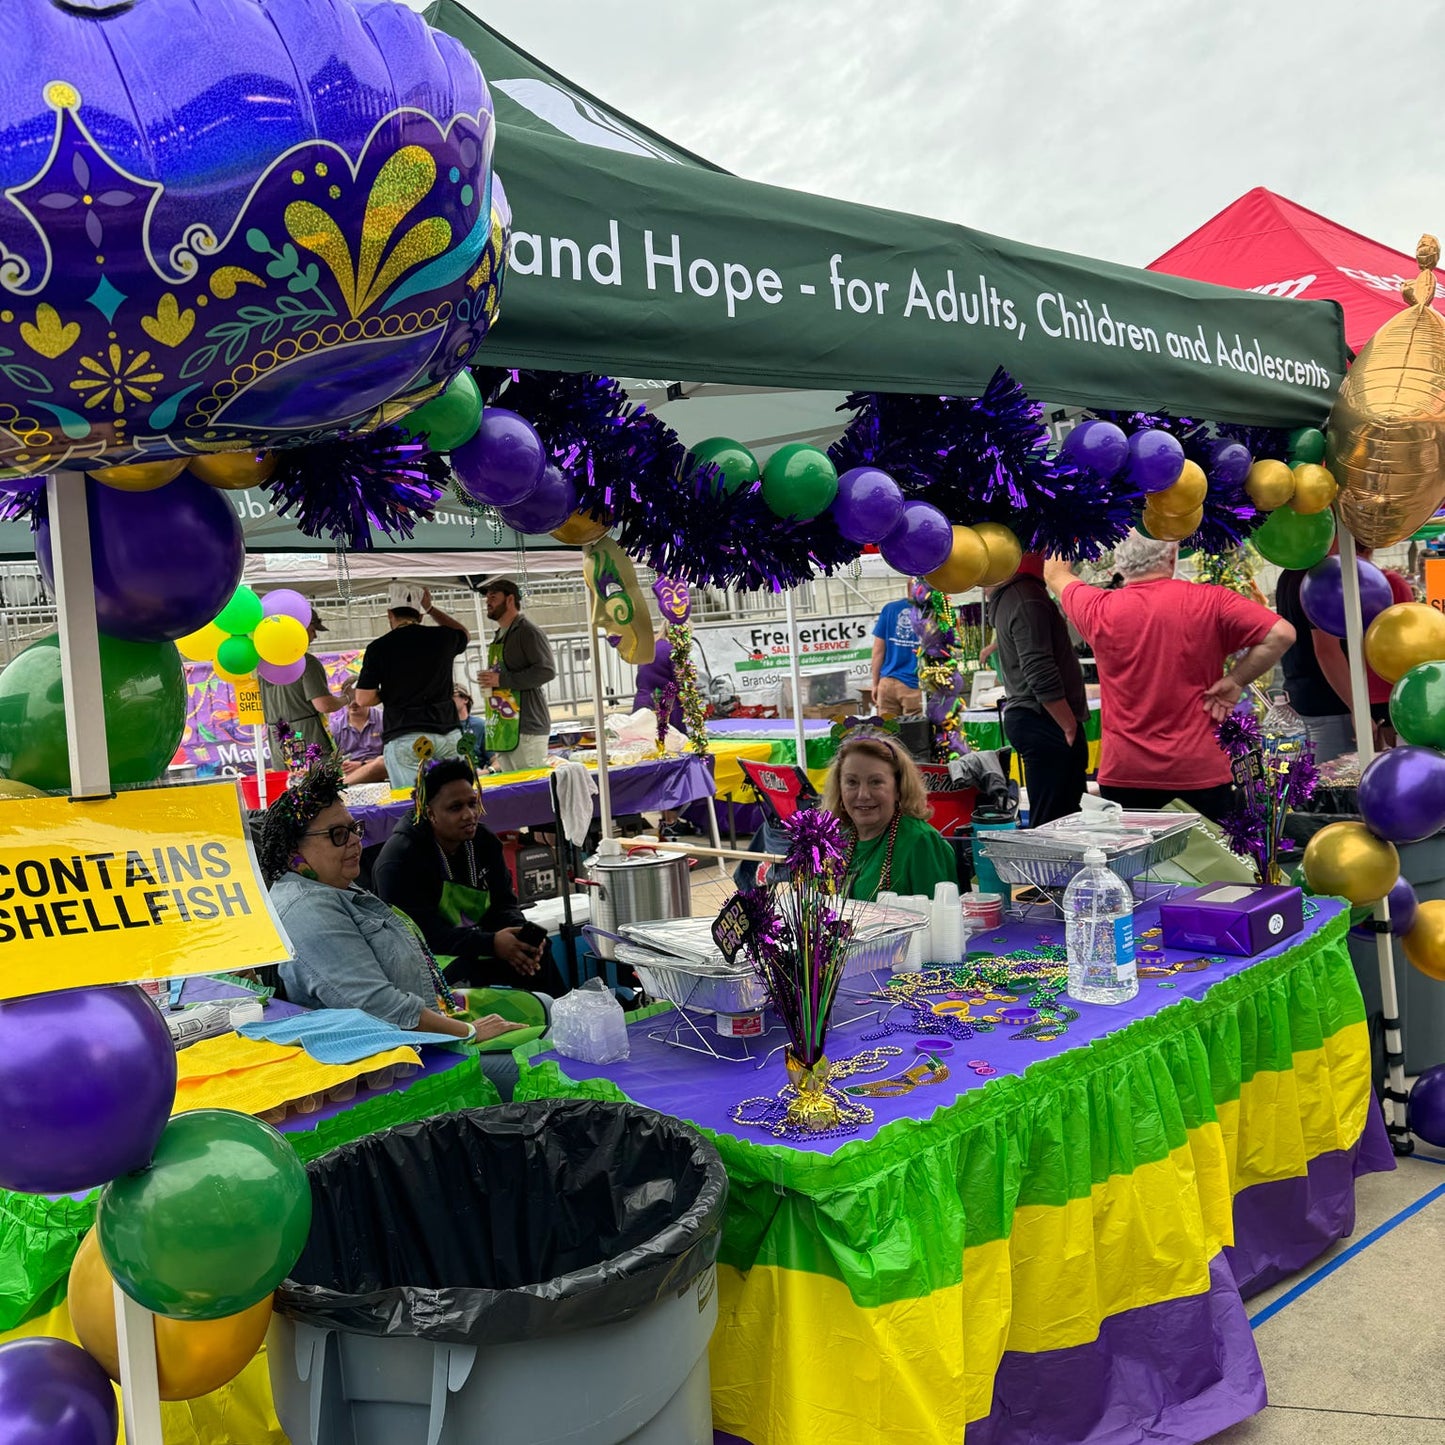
(1365, 746)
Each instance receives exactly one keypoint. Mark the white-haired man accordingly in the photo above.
(1162, 645)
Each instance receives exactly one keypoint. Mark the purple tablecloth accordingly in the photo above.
(676, 1081)
(660, 783)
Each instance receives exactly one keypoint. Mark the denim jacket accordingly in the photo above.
(351, 951)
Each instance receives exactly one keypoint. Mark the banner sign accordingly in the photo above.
(218, 739)
(745, 667)
(156, 883)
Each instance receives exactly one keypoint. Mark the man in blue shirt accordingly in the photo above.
(895, 660)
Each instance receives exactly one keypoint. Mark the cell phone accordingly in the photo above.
(532, 934)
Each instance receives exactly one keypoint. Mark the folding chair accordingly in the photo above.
(781, 791)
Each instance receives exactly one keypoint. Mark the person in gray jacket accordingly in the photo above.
(352, 950)
(1046, 706)
(520, 662)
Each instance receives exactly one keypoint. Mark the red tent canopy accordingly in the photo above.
(1265, 243)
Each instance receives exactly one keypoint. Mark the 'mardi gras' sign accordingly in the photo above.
(149, 884)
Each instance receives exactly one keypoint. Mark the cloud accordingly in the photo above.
(1107, 127)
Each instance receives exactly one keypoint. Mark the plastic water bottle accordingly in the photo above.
(1099, 934)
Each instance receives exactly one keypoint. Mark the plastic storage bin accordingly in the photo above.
(535, 1273)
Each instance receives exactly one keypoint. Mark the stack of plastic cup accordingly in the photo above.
(946, 926)
(920, 946)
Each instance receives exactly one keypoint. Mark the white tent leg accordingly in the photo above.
(795, 668)
(1395, 1095)
(596, 642)
(79, 636)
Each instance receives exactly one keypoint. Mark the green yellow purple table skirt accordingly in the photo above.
(39, 1237)
(1050, 1256)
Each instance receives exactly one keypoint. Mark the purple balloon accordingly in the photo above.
(1425, 1112)
(549, 505)
(165, 562)
(1322, 594)
(284, 602)
(87, 1080)
(1403, 907)
(503, 463)
(1155, 460)
(281, 673)
(1100, 446)
(869, 505)
(1402, 794)
(1231, 464)
(53, 1393)
(920, 543)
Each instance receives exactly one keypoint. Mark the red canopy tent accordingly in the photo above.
(1262, 242)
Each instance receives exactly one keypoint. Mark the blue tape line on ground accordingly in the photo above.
(1324, 1271)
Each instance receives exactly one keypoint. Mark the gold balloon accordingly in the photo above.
(1314, 488)
(141, 476)
(1346, 860)
(1185, 496)
(14, 788)
(966, 565)
(1165, 527)
(234, 471)
(1404, 636)
(1270, 484)
(1424, 944)
(1386, 437)
(193, 1357)
(1004, 553)
(580, 528)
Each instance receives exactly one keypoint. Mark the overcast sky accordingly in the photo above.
(1110, 129)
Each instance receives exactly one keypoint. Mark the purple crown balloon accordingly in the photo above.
(269, 224)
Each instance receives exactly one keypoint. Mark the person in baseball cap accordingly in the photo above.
(409, 672)
(519, 665)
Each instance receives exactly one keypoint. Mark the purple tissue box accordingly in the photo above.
(1233, 918)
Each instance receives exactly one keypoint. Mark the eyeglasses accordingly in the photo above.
(339, 833)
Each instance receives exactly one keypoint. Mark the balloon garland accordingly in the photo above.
(250, 635)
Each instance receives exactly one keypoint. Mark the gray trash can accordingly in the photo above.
(535, 1273)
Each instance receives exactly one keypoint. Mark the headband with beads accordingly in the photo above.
(426, 761)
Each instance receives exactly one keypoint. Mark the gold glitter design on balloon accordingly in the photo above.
(400, 185)
(1386, 436)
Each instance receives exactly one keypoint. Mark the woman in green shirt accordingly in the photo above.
(875, 790)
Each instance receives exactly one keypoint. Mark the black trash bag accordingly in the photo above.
(488, 1226)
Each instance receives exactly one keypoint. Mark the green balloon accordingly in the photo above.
(143, 691)
(1417, 705)
(213, 1224)
(238, 656)
(241, 614)
(1307, 445)
(799, 481)
(448, 420)
(1289, 539)
(737, 464)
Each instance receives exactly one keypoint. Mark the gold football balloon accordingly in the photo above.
(1404, 636)
(1387, 428)
(1314, 489)
(967, 563)
(234, 471)
(1270, 484)
(141, 476)
(193, 1357)
(1348, 861)
(1004, 553)
(1424, 945)
(1185, 496)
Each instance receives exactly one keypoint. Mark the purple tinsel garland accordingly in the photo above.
(341, 489)
(629, 465)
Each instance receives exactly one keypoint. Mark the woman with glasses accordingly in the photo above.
(447, 873)
(352, 950)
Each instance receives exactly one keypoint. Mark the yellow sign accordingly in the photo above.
(1435, 582)
(248, 703)
(151, 884)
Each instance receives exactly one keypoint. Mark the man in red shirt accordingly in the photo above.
(1161, 645)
